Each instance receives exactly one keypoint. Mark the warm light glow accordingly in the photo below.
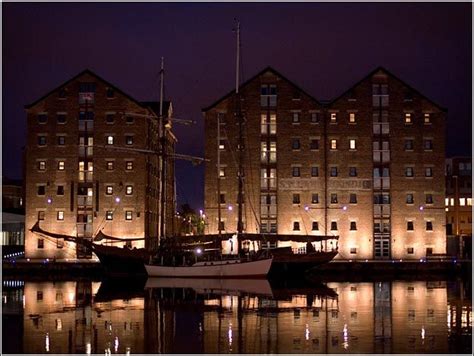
(462, 201)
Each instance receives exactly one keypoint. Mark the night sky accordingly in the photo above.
(324, 48)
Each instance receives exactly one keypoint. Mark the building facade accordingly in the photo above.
(92, 165)
(366, 166)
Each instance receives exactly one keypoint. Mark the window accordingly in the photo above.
(61, 118)
(429, 226)
(333, 172)
(462, 201)
(128, 215)
(60, 190)
(110, 93)
(408, 145)
(89, 115)
(222, 144)
(333, 117)
(296, 226)
(428, 172)
(410, 199)
(333, 198)
(295, 171)
(296, 198)
(315, 226)
(129, 119)
(41, 190)
(110, 140)
(129, 190)
(408, 118)
(109, 118)
(333, 144)
(410, 226)
(296, 118)
(295, 144)
(109, 190)
(352, 144)
(41, 215)
(110, 165)
(353, 250)
(409, 172)
(314, 117)
(42, 165)
(333, 225)
(314, 171)
(353, 226)
(42, 118)
(109, 215)
(129, 140)
(429, 198)
(221, 225)
(410, 250)
(61, 165)
(352, 117)
(314, 144)
(61, 140)
(40, 245)
(42, 140)
(62, 93)
(268, 95)
(427, 118)
(60, 215)
(353, 198)
(352, 172)
(222, 172)
(428, 144)
(222, 198)
(129, 165)
(314, 198)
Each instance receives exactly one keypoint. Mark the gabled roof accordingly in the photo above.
(380, 68)
(84, 72)
(265, 70)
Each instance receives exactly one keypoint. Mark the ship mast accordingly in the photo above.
(240, 146)
(163, 158)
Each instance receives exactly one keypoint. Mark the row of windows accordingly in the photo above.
(61, 165)
(61, 140)
(353, 226)
(109, 190)
(410, 171)
(462, 201)
(333, 144)
(109, 215)
(333, 198)
(61, 117)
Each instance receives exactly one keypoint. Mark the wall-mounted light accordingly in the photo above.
(344, 207)
(422, 208)
(229, 208)
(49, 200)
(198, 251)
(117, 200)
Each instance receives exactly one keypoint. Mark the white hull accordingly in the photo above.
(217, 269)
(231, 286)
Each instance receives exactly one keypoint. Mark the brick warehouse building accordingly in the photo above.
(367, 166)
(84, 172)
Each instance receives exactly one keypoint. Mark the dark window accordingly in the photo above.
(333, 198)
(42, 140)
(61, 118)
(428, 172)
(110, 93)
(296, 198)
(41, 215)
(109, 215)
(353, 250)
(409, 225)
(41, 245)
(62, 93)
(296, 117)
(314, 144)
(353, 226)
(428, 145)
(333, 225)
(314, 171)
(352, 172)
(110, 118)
(314, 117)
(410, 199)
(409, 172)
(296, 226)
(333, 172)
(429, 198)
(129, 140)
(429, 226)
(222, 198)
(315, 226)
(295, 171)
(60, 190)
(61, 140)
(295, 144)
(42, 118)
(129, 120)
(410, 250)
(429, 251)
(128, 215)
(408, 145)
(353, 198)
(87, 88)
(83, 115)
(41, 190)
(314, 198)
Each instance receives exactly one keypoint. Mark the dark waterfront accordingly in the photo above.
(233, 316)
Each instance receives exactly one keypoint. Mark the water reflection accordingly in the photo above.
(207, 316)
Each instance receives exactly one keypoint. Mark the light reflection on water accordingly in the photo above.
(236, 317)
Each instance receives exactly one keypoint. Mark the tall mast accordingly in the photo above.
(239, 118)
(218, 175)
(162, 161)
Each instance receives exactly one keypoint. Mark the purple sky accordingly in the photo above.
(323, 48)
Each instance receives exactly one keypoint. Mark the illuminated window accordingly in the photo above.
(333, 117)
(110, 118)
(427, 118)
(61, 166)
(333, 225)
(110, 140)
(428, 172)
(314, 198)
(61, 140)
(446, 201)
(353, 226)
(60, 215)
(110, 165)
(409, 145)
(314, 117)
(59, 324)
(128, 215)
(410, 226)
(41, 215)
(296, 226)
(129, 190)
(222, 172)
(451, 200)
(222, 144)
(314, 144)
(429, 198)
(333, 144)
(42, 165)
(408, 118)
(109, 215)
(333, 198)
(353, 198)
(352, 172)
(61, 118)
(42, 140)
(314, 171)
(409, 172)
(41, 190)
(469, 201)
(109, 190)
(428, 144)
(410, 199)
(353, 250)
(352, 144)
(429, 226)
(315, 226)
(462, 201)
(333, 172)
(129, 140)
(352, 117)
(60, 190)
(41, 245)
(129, 165)
(296, 199)
(296, 118)
(295, 144)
